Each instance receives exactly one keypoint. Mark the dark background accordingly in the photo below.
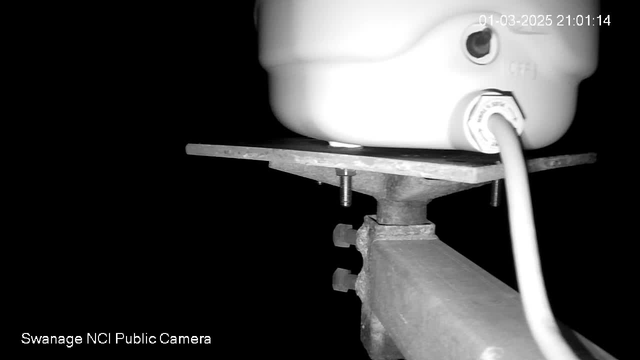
(118, 230)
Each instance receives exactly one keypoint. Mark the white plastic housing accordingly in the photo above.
(396, 73)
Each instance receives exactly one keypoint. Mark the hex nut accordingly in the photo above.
(343, 280)
(478, 118)
(344, 236)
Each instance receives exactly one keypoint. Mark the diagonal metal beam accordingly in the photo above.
(436, 304)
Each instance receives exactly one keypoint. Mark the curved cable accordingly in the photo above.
(536, 306)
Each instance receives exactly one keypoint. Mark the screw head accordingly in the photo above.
(345, 172)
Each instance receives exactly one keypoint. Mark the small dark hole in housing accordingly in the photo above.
(479, 43)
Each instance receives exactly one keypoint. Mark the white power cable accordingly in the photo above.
(537, 311)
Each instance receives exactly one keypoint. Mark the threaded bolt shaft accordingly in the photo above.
(345, 186)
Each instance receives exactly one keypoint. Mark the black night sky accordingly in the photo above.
(118, 230)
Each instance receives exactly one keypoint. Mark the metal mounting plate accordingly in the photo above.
(459, 166)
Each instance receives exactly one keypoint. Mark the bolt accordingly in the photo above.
(343, 280)
(496, 190)
(344, 236)
(345, 186)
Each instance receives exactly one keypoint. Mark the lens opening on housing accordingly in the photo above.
(480, 44)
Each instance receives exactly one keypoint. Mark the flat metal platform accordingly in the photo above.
(459, 166)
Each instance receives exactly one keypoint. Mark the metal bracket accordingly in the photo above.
(423, 300)
(420, 298)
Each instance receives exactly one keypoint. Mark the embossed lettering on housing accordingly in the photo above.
(526, 69)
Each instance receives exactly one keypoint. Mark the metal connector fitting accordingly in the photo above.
(477, 119)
